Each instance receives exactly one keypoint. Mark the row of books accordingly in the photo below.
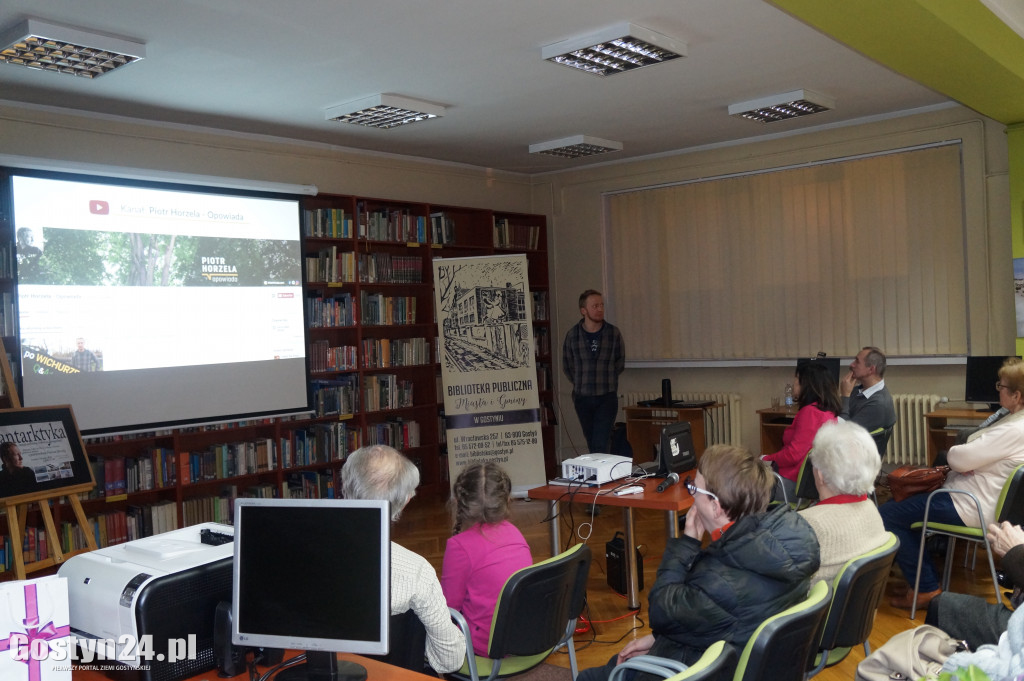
(327, 222)
(544, 377)
(323, 357)
(330, 266)
(508, 235)
(392, 224)
(386, 391)
(379, 309)
(310, 485)
(442, 228)
(326, 312)
(321, 443)
(384, 268)
(8, 320)
(336, 396)
(542, 342)
(380, 353)
(230, 460)
(540, 306)
(398, 434)
(118, 476)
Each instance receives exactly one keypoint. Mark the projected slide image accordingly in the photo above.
(141, 303)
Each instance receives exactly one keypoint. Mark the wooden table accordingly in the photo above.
(938, 431)
(672, 501)
(644, 426)
(375, 671)
(774, 422)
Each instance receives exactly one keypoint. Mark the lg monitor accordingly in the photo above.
(981, 379)
(313, 575)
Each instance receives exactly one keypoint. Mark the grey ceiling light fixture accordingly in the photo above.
(616, 49)
(575, 146)
(783, 106)
(64, 49)
(383, 111)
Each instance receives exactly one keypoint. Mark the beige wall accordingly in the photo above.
(574, 202)
(51, 135)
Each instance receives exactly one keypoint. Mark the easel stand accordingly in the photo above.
(17, 508)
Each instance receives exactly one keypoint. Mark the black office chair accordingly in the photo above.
(806, 490)
(856, 594)
(407, 642)
(535, 614)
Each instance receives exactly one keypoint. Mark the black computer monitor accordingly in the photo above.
(676, 453)
(833, 364)
(313, 575)
(981, 379)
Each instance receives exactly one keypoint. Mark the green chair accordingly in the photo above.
(1010, 506)
(716, 664)
(782, 647)
(535, 614)
(881, 436)
(806, 490)
(856, 594)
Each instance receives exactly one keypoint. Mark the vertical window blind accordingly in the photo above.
(831, 257)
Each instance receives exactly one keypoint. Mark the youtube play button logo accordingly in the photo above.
(99, 207)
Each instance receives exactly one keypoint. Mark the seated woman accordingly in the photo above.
(980, 466)
(817, 395)
(485, 548)
(846, 522)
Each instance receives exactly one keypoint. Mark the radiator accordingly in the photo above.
(909, 444)
(722, 424)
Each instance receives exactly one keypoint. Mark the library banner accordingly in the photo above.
(488, 370)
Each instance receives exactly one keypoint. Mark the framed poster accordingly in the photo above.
(41, 454)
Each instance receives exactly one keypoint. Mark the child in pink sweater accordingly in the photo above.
(485, 548)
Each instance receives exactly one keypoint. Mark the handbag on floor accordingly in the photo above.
(906, 481)
(916, 653)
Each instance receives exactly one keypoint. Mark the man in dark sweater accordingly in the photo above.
(866, 400)
(758, 563)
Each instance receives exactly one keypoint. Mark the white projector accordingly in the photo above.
(596, 469)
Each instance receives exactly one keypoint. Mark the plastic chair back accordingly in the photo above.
(537, 602)
(781, 648)
(1010, 506)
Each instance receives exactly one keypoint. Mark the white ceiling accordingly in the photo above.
(271, 67)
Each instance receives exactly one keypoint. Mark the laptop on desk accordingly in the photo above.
(676, 453)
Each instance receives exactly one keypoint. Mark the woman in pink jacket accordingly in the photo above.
(485, 549)
(817, 395)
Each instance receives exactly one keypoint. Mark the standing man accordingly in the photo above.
(593, 356)
(866, 401)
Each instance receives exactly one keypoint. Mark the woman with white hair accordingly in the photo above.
(845, 520)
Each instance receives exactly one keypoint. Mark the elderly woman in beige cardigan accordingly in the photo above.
(845, 520)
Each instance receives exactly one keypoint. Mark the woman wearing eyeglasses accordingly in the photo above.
(757, 563)
(817, 394)
(981, 467)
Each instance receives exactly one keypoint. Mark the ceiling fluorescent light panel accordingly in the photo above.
(617, 49)
(383, 111)
(575, 147)
(782, 107)
(64, 49)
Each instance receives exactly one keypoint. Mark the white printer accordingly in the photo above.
(161, 591)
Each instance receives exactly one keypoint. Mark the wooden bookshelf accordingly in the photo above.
(374, 372)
